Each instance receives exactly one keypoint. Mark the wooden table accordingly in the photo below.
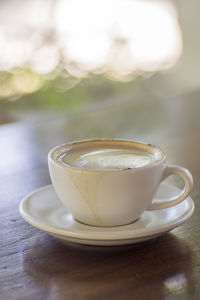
(34, 265)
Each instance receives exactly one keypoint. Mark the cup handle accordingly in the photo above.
(187, 178)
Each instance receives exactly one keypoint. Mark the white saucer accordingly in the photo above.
(43, 210)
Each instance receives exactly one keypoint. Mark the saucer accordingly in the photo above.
(43, 210)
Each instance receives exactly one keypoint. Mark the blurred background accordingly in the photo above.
(63, 57)
(95, 62)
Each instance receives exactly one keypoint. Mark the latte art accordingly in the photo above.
(108, 159)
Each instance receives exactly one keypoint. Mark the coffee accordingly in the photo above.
(109, 182)
(107, 158)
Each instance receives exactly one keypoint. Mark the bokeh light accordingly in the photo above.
(120, 39)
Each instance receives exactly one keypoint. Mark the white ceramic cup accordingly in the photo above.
(112, 197)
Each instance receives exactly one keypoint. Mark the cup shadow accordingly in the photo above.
(96, 269)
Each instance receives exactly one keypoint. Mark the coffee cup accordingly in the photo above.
(111, 182)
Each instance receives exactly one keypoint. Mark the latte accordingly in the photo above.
(111, 182)
(108, 158)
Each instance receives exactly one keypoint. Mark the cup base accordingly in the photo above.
(106, 226)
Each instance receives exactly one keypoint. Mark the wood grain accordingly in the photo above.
(34, 265)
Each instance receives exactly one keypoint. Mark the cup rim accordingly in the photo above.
(51, 153)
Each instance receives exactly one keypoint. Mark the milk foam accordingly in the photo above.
(108, 159)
